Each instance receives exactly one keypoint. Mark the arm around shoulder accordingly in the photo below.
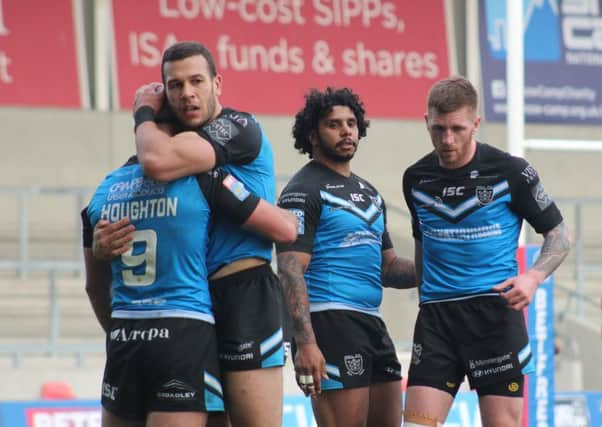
(165, 157)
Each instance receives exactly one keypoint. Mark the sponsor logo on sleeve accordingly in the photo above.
(300, 214)
(236, 187)
(239, 118)
(530, 174)
(292, 197)
(541, 197)
(221, 130)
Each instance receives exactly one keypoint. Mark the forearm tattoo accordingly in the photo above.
(290, 273)
(554, 250)
(399, 273)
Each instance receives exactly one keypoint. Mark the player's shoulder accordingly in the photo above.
(308, 179)
(229, 123)
(124, 171)
(427, 164)
(310, 175)
(133, 160)
(241, 118)
(364, 183)
(507, 163)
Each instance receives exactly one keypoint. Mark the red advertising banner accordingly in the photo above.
(38, 54)
(270, 52)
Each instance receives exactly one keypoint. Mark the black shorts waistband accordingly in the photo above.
(466, 299)
(252, 273)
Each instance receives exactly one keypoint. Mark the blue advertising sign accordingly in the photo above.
(572, 409)
(578, 409)
(540, 325)
(297, 412)
(464, 411)
(563, 60)
(86, 413)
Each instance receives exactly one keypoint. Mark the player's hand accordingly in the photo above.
(112, 239)
(310, 368)
(151, 95)
(518, 291)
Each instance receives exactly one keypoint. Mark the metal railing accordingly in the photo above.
(52, 346)
(582, 267)
(23, 264)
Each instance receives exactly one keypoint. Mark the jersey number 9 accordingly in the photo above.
(147, 259)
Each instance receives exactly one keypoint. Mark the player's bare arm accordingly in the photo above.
(291, 267)
(397, 272)
(165, 157)
(98, 287)
(309, 360)
(555, 248)
(518, 291)
(277, 224)
(418, 260)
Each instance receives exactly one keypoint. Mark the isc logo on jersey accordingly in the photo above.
(236, 187)
(453, 191)
(357, 197)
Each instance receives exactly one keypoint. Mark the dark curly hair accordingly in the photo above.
(317, 106)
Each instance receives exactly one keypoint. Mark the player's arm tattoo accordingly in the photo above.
(555, 248)
(290, 272)
(398, 273)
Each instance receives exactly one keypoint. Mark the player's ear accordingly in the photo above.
(217, 84)
(313, 138)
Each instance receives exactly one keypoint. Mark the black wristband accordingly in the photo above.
(143, 114)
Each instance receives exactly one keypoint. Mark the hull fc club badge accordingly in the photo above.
(354, 364)
(484, 194)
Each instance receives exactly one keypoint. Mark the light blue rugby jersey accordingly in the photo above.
(161, 276)
(468, 220)
(243, 149)
(342, 224)
(165, 272)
